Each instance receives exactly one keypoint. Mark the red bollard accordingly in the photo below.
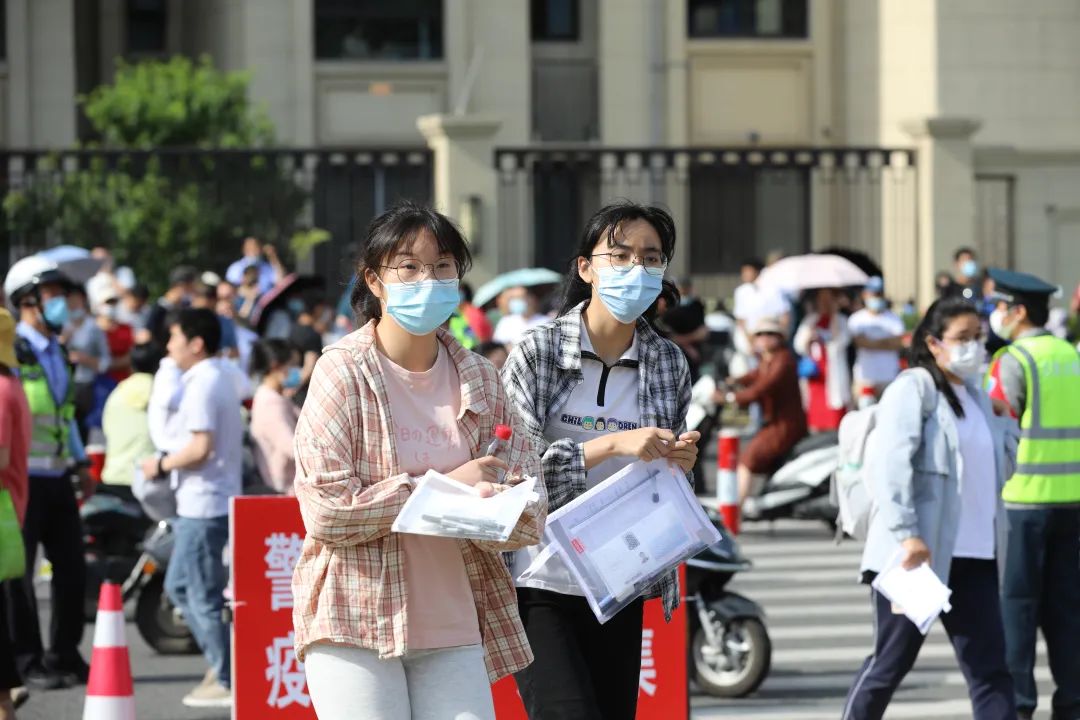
(727, 483)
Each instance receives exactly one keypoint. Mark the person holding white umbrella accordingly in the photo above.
(823, 337)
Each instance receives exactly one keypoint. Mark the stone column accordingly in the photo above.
(625, 72)
(946, 195)
(466, 183)
(41, 73)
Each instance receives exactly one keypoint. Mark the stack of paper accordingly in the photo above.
(621, 536)
(442, 506)
(919, 593)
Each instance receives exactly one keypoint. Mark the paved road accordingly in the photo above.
(160, 683)
(819, 621)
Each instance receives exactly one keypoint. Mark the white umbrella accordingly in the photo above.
(807, 272)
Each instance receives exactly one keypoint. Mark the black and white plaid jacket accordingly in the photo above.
(545, 368)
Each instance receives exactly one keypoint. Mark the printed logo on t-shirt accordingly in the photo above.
(598, 424)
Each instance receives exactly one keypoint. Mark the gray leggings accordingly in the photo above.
(348, 683)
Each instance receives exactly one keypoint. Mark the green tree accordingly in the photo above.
(177, 103)
(179, 205)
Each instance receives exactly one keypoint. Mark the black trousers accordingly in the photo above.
(9, 674)
(52, 519)
(1042, 589)
(975, 628)
(583, 670)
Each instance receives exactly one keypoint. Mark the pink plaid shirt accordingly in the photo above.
(349, 585)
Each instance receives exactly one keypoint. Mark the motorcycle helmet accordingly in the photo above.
(29, 274)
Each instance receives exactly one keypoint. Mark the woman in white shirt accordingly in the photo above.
(937, 461)
(597, 389)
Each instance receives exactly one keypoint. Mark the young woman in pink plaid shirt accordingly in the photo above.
(392, 625)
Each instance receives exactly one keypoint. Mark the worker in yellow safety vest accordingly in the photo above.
(37, 289)
(1037, 376)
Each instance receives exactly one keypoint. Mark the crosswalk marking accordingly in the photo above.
(934, 710)
(854, 655)
(831, 577)
(824, 610)
(841, 681)
(819, 619)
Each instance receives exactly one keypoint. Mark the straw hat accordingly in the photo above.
(7, 339)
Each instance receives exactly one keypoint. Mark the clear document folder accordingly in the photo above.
(444, 507)
(919, 593)
(621, 537)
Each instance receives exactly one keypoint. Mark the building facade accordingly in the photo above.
(984, 92)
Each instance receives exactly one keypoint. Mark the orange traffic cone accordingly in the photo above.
(110, 693)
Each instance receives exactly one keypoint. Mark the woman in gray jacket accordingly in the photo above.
(937, 461)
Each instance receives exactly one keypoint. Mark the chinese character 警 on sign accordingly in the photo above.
(282, 553)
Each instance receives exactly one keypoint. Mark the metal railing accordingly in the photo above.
(729, 204)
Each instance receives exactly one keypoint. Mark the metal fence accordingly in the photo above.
(730, 204)
(269, 191)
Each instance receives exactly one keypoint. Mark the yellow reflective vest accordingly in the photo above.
(51, 423)
(1048, 460)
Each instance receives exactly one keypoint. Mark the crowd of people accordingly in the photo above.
(991, 505)
(258, 381)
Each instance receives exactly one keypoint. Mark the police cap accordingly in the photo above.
(1016, 287)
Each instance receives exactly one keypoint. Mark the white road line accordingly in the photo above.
(823, 610)
(841, 681)
(899, 710)
(850, 592)
(841, 576)
(777, 563)
(793, 549)
(812, 656)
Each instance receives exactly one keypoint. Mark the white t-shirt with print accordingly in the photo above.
(606, 401)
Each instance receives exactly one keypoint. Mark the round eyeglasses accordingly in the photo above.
(654, 263)
(413, 271)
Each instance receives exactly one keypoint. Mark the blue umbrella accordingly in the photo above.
(75, 262)
(526, 277)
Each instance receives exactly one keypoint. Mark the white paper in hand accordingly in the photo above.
(444, 507)
(919, 592)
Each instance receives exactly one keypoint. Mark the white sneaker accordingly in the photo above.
(214, 695)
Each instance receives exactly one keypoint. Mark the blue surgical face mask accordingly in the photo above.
(518, 306)
(421, 307)
(56, 312)
(970, 268)
(292, 378)
(296, 306)
(627, 295)
(875, 304)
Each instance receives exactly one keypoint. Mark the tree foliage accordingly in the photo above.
(177, 103)
(191, 203)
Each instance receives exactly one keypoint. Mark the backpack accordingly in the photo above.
(849, 491)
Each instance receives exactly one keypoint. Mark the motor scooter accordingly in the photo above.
(729, 645)
(799, 488)
(123, 545)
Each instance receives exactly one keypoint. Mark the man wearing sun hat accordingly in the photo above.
(1038, 377)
